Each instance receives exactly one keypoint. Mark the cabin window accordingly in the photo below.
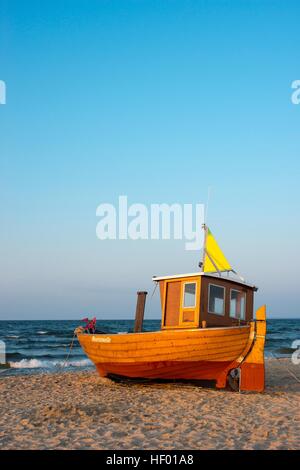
(216, 297)
(189, 297)
(237, 304)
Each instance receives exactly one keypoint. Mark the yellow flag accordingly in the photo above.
(214, 260)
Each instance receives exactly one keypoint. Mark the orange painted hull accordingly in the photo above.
(198, 353)
(187, 370)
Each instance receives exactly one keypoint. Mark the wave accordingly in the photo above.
(12, 336)
(37, 363)
(13, 355)
(42, 332)
(285, 350)
(45, 353)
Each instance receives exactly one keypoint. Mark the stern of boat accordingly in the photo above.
(252, 369)
(247, 373)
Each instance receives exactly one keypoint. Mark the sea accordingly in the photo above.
(33, 347)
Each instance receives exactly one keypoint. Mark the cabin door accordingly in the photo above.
(190, 303)
(181, 306)
(172, 303)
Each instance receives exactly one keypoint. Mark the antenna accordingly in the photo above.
(201, 263)
(204, 226)
(207, 203)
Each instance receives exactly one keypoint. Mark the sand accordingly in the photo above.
(79, 410)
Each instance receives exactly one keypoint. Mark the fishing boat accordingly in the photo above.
(208, 331)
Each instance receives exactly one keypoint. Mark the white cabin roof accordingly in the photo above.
(200, 273)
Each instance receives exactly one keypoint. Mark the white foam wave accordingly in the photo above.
(42, 332)
(37, 363)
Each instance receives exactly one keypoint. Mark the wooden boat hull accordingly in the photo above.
(186, 370)
(201, 354)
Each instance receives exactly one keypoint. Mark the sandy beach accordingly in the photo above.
(82, 411)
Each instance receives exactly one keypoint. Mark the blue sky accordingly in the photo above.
(156, 100)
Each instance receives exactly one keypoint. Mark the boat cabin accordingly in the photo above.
(198, 300)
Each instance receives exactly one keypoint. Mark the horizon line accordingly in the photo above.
(122, 319)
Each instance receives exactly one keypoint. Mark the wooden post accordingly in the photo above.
(139, 313)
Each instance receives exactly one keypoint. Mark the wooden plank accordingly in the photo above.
(173, 349)
(158, 354)
(174, 335)
(172, 303)
(176, 344)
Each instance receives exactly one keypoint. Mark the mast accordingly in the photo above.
(214, 256)
(206, 253)
(204, 226)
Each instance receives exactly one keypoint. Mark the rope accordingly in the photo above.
(147, 306)
(153, 292)
(291, 373)
(150, 300)
(70, 350)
